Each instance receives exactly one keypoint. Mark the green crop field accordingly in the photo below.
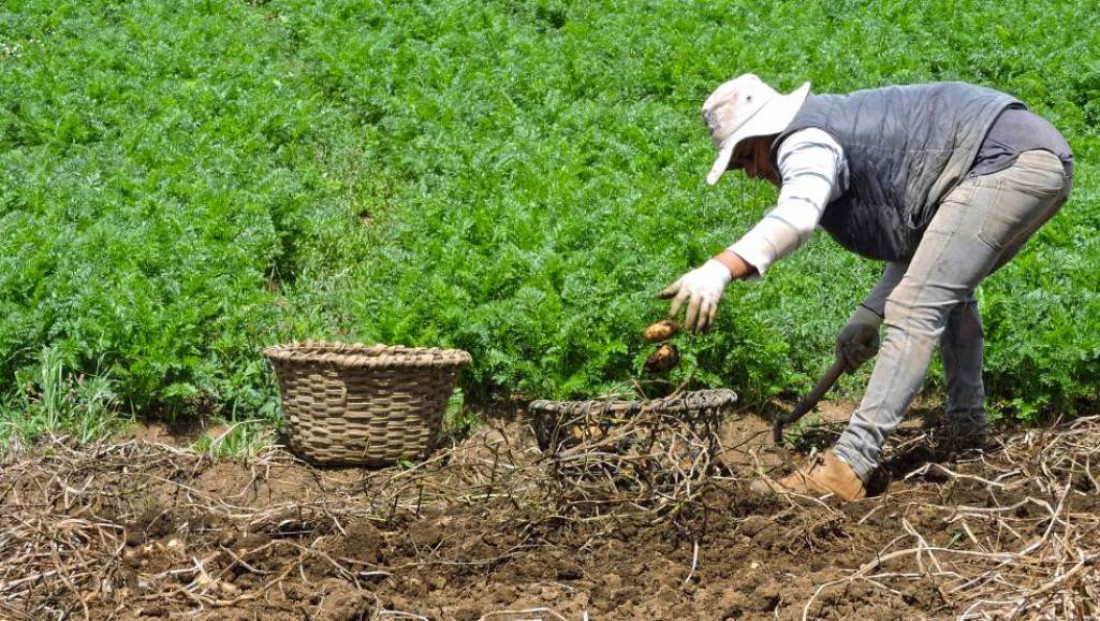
(185, 182)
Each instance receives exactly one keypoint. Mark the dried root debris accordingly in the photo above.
(143, 530)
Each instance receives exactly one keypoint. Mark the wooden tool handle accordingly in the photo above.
(810, 400)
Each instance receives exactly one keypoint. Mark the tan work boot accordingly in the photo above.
(828, 474)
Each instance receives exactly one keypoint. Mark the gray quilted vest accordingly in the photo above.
(907, 147)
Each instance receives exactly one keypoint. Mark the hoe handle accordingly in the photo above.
(810, 400)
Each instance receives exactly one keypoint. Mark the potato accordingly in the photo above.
(663, 359)
(661, 331)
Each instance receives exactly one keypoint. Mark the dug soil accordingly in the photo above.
(496, 527)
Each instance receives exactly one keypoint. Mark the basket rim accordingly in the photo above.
(361, 355)
(684, 402)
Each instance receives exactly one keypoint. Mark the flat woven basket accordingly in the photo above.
(363, 405)
(562, 424)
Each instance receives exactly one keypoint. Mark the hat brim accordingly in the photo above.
(773, 118)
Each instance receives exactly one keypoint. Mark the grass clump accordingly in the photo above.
(53, 401)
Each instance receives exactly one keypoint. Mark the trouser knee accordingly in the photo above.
(901, 315)
(964, 324)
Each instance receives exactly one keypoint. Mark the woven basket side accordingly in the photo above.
(358, 414)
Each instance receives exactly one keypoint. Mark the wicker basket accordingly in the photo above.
(562, 424)
(363, 405)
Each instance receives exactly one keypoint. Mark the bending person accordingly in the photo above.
(944, 182)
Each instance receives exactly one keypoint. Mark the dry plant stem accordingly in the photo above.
(1048, 575)
(540, 611)
(69, 520)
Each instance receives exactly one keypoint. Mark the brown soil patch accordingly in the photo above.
(497, 529)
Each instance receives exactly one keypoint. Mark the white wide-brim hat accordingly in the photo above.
(743, 108)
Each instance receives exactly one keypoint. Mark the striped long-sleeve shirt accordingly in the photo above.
(814, 173)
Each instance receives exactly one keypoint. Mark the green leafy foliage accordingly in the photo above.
(182, 183)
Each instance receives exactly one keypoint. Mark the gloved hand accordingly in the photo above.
(858, 340)
(702, 287)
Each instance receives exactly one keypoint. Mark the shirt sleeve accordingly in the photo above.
(814, 172)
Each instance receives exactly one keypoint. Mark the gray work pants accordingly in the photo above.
(978, 227)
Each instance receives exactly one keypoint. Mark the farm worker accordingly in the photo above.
(943, 182)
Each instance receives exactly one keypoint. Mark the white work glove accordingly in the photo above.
(858, 340)
(701, 288)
